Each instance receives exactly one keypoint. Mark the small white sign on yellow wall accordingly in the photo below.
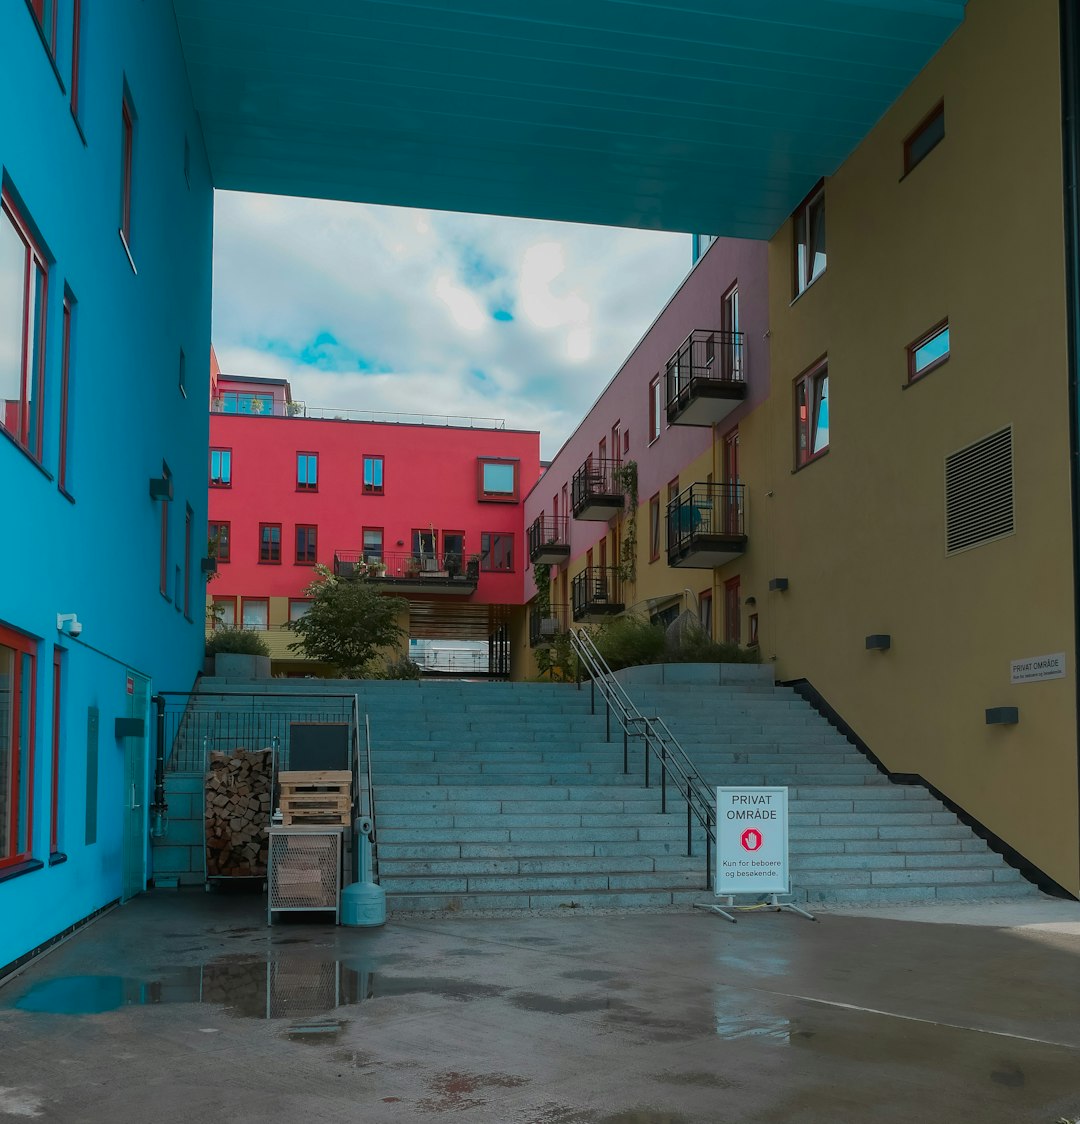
(1039, 667)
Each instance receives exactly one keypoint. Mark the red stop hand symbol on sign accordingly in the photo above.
(751, 839)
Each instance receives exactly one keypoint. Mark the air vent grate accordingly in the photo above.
(979, 492)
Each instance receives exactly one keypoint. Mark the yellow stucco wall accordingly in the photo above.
(974, 233)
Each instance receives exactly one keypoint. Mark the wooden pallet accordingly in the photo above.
(315, 796)
(315, 818)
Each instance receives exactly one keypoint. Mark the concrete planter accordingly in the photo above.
(710, 674)
(234, 665)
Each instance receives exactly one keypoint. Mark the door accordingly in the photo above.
(732, 610)
(136, 752)
(733, 497)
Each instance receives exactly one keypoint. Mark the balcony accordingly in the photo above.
(549, 540)
(706, 526)
(546, 627)
(595, 490)
(406, 572)
(706, 378)
(596, 593)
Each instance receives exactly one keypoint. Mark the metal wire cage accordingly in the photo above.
(304, 870)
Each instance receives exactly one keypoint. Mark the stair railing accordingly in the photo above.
(658, 741)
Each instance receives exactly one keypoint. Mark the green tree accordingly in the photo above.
(348, 622)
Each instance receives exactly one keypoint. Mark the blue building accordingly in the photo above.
(105, 255)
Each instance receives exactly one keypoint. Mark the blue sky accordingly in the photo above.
(383, 308)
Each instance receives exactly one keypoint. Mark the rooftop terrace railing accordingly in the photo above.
(237, 404)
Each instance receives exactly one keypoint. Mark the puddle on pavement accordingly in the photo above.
(244, 987)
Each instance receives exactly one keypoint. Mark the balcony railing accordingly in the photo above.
(706, 378)
(243, 404)
(596, 491)
(398, 567)
(706, 525)
(548, 624)
(549, 539)
(596, 592)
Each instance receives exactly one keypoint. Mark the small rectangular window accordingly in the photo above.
(306, 544)
(373, 476)
(926, 135)
(218, 534)
(298, 607)
(65, 390)
(270, 543)
(654, 528)
(57, 696)
(223, 612)
(811, 414)
(928, 351)
(127, 157)
(809, 240)
(616, 441)
(256, 613)
(307, 472)
(221, 468)
(498, 479)
(752, 640)
(17, 674)
(705, 603)
(373, 544)
(45, 14)
(655, 409)
(496, 552)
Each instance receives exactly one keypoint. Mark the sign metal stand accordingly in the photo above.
(752, 851)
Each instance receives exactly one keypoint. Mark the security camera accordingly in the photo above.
(74, 628)
(68, 623)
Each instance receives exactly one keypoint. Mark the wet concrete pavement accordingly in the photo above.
(186, 1007)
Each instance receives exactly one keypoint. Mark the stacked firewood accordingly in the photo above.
(238, 793)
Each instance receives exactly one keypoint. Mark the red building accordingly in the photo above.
(430, 508)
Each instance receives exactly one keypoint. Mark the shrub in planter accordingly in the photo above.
(628, 641)
(238, 641)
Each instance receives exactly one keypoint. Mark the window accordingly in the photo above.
(498, 480)
(54, 821)
(189, 516)
(45, 14)
(270, 542)
(705, 604)
(453, 544)
(163, 501)
(373, 476)
(256, 612)
(127, 156)
(655, 407)
(76, 39)
(219, 533)
(732, 611)
(672, 489)
(810, 240)
(925, 136)
(616, 440)
(223, 612)
(221, 468)
(65, 390)
(373, 544)
(496, 552)
(17, 655)
(306, 548)
(752, 640)
(928, 351)
(654, 528)
(307, 472)
(425, 544)
(298, 607)
(233, 402)
(811, 414)
(182, 374)
(23, 296)
(731, 357)
(626, 441)
(602, 451)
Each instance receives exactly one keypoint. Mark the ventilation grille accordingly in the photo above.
(979, 492)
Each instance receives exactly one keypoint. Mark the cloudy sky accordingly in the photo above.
(383, 308)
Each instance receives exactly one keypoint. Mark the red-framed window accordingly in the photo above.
(127, 157)
(602, 449)
(189, 517)
(928, 352)
(219, 532)
(731, 359)
(270, 543)
(453, 547)
(927, 135)
(705, 603)
(57, 697)
(732, 611)
(24, 290)
(18, 655)
(497, 479)
(76, 42)
(566, 501)
(45, 12)
(616, 441)
(809, 259)
(65, 390)
(496, 552)
(373, 476)
(221, 468)
(654, 527)
(307, 472)
(164, 504)
(372, 538)
(256, 613)
(812, 413)
(223, 612)
(307, 549)
(752, 626)
(626, 441)
(656, 408)
(298, 607)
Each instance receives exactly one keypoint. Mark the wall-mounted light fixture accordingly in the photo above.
(161, 488)
(68, 623)
(878, 642)
(751, 600)
(778, 585)
(401, 542)
(1002, 715)
(208, 565)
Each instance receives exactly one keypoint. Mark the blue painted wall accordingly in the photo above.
(98, 554)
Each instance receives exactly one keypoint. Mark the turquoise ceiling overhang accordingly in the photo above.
(709, 116)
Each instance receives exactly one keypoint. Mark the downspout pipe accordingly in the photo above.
(159, 809)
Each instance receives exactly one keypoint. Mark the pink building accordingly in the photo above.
(430, 508)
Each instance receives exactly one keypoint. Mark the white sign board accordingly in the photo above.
(1039, 667)
(751, 841)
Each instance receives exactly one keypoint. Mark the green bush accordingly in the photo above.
(628, 641)
(239, 641)
(401, 668)
(696, 647)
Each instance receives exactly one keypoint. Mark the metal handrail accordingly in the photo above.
(659, 742)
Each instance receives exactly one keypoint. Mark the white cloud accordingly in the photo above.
(382, 308)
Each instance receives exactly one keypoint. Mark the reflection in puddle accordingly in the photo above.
(245, 987)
